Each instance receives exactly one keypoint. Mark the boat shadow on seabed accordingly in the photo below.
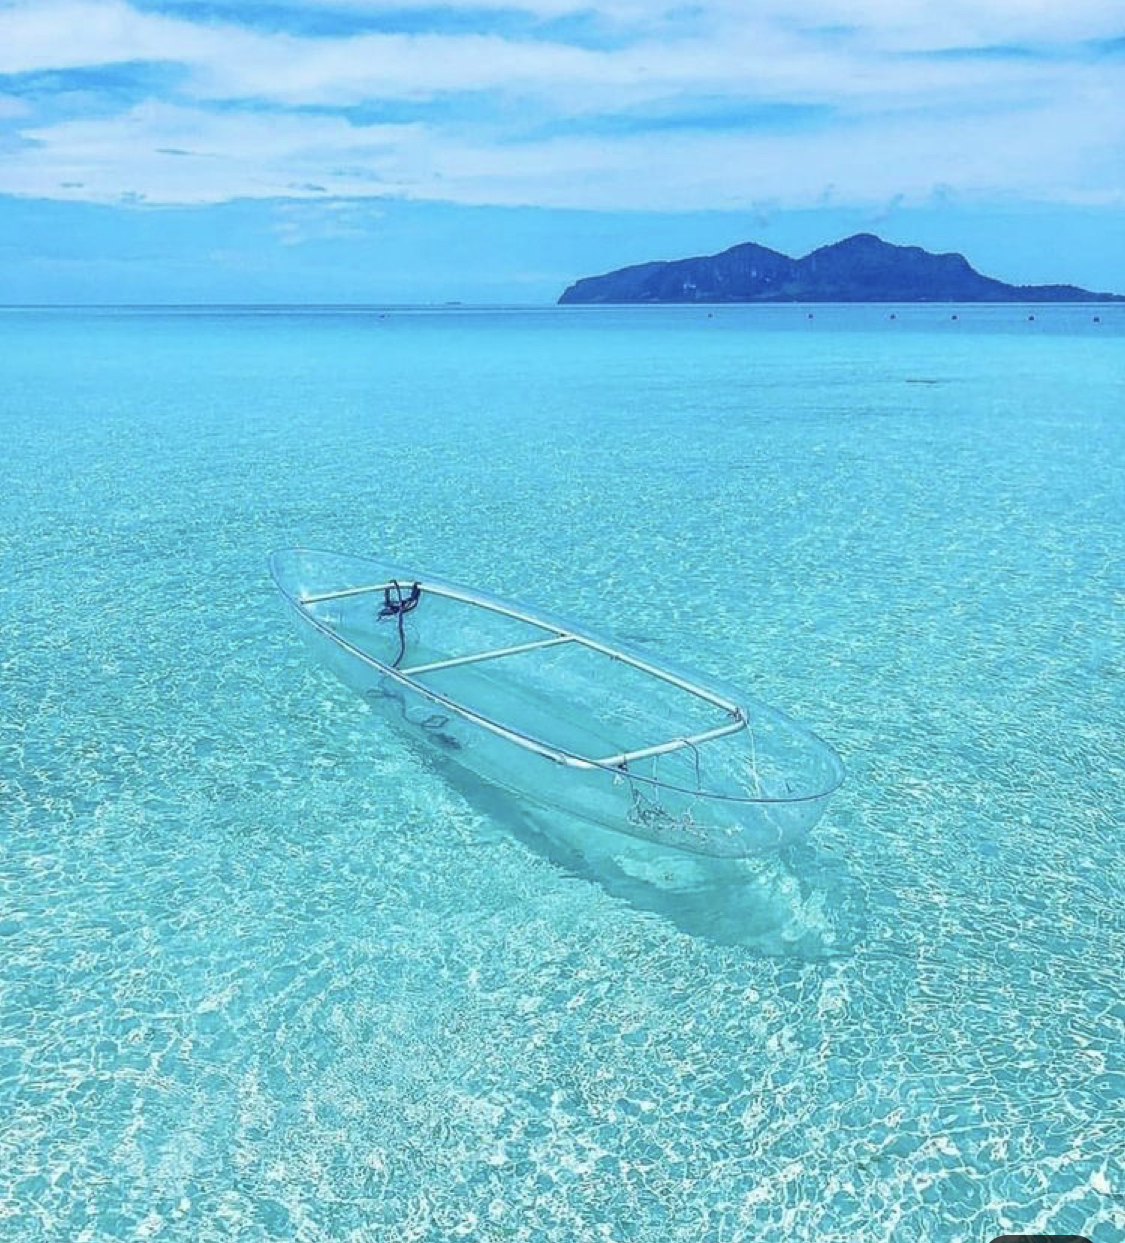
(799, 903)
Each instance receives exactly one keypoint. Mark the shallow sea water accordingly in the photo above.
(269, 972)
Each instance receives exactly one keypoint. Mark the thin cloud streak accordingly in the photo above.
(882, 24)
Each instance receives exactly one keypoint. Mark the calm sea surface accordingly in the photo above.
(268, 972)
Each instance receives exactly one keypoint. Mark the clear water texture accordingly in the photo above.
(269, 972)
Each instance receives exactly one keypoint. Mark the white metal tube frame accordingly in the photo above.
(612, 763)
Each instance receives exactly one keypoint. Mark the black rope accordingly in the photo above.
(434, 724)
(398, 607)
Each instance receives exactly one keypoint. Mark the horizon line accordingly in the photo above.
(549, 305)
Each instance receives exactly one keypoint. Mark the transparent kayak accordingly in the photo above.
(559, 716)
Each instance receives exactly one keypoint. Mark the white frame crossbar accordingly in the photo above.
(558, 637)
(673, 744)
(493, 654)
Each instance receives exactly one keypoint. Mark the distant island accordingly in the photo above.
(862, 268)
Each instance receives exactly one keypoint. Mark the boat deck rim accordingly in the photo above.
(617, 764)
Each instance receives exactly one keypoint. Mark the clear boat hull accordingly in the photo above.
(559, 717)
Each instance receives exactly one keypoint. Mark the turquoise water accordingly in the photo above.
(269, 972)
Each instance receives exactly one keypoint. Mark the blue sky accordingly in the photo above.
(414, 150)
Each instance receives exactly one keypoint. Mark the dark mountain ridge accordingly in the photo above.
(862, 268)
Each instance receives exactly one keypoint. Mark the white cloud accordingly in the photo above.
(179, 155)
(755, 56)
(901, 125)
(168, 154)
(296, 223)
